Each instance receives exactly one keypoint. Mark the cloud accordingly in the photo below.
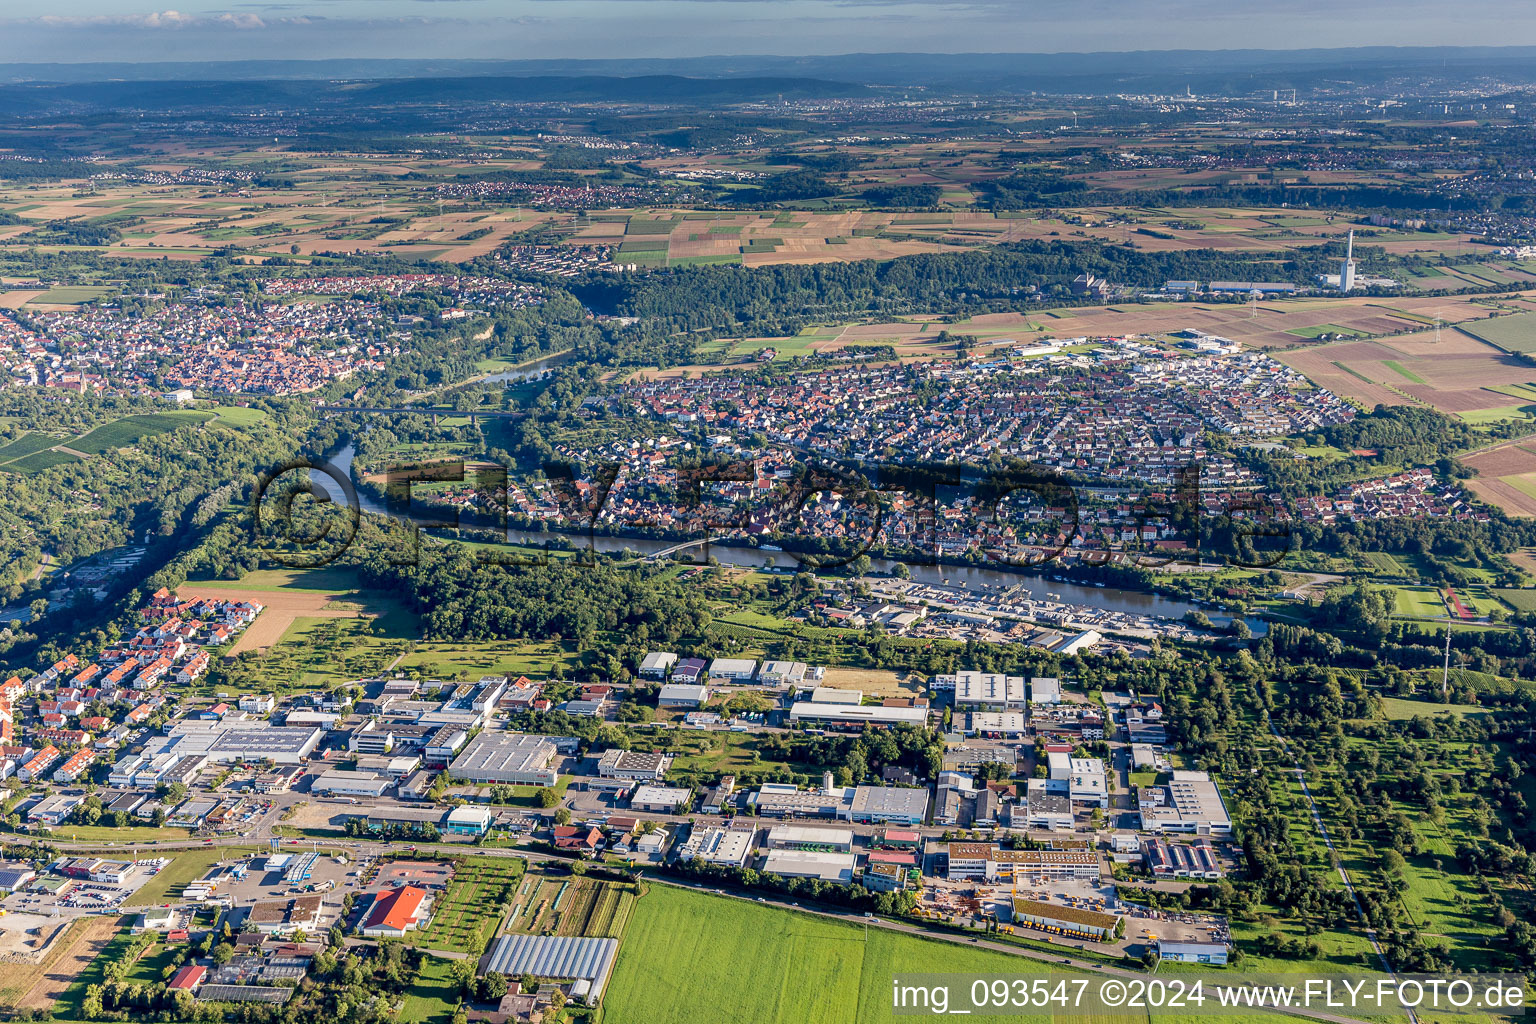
(152, 20)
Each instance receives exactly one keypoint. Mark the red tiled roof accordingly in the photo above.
(396, 910)
(187, 978)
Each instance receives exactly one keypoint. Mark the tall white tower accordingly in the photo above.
(1347, 271)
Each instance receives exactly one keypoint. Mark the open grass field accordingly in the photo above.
(469, 913)
(129, 430)
(240, 416)
(187, 866)
(686, 950)
(433, 997)
(1399, 709)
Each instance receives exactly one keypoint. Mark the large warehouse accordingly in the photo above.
(506, 757)
(889, 805)
(243, 741)
(853, 716)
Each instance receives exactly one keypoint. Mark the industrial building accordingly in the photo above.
(995, 724)
(506, 757)
(1214, 953)
(284, 917)
(235, 742)
(1179, 860)
(732, 670)
(833, 695)
(990, 862)
(682, 695)
(633, 765)
(850, 716)
(1190, 803)
(1045, 690)
(397, 912)
(783, 800)
(716, 845)
(659, 799)
(468, 821)
(888, 805)
(340, 783)
(1087, 782)
(1073, 922)
(829, 867)
(782, 673)
(657, 664)
(988, 691)
(810, 837)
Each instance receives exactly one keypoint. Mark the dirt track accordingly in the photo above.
(84, 947)
(281, 608)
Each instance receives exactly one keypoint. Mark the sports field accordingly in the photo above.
(1418, 603)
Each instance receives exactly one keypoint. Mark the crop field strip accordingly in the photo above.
(468, 914)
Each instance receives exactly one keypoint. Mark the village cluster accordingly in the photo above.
(592, 195)
(211, 341)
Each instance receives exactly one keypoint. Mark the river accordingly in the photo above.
(973, 578)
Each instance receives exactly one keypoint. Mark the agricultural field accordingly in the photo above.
(1279, 326)
(40, 986)
(27, 444)
(38, 462)
(571, 905)
(469, 913)
(841, 232)
(1519, 600)
(338, 205)
(1455, 374)
(1506, 476)
(1515, 333)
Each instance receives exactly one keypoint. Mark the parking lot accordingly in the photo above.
(78, 896)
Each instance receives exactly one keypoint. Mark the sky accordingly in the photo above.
(130, 30)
